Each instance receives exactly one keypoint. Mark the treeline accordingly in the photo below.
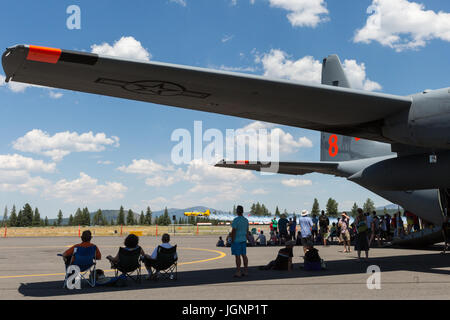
(331, 208)
(27, 217)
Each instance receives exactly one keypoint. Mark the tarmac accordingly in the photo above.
(30, 269)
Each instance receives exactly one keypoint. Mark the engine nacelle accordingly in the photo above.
(414, 172)
(425, 124)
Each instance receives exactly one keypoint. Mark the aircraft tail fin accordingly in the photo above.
(335, 147)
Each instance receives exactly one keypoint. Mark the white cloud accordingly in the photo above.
(303, 13)
(401, 25)
(227, 38)
(55, 95)
(2, 80)
(180, 2)
(278, 64)
(144, 167)
(260, 191)
(15, 173)
(85, 190)
(18, 162)
(63, 143)
(296, 182)
(257, 137)
(105, 162)
(237, 69)
(125, 47)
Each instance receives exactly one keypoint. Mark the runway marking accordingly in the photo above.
(220, 256)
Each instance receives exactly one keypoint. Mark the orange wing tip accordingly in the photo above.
(242, 162)
(44, 54)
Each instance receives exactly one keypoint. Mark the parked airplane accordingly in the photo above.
(402, 152)
(198, 213)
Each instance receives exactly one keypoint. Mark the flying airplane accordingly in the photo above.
(395, 146)
(197, 213)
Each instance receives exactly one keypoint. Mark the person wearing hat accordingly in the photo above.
(344, 223)
(306, 225)
(282, 226)
(283, 261)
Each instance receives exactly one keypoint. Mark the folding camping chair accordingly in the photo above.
(129, 262)
(84, 258)
(166, 263)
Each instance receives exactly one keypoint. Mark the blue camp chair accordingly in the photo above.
(84, 258)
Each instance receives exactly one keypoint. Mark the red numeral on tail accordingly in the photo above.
(333, 149)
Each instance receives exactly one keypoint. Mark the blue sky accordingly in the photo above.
(41, 162)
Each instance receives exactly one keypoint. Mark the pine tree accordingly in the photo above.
(60, 217)
(315, 208)
(148, 216)
(121, 217)
(71, 222)
(46, 222)
(252, 209)
(332, 207)
(354, 210)
(258, 209)
(142, 218)
(369, 206)
(112, 221)
(234, 210)
(130, 218)
(78, 218)
(26, 216)
(36, 218)
(5, 217)
(277, 212)
(13, 220)
(86, 217)
(166, 218)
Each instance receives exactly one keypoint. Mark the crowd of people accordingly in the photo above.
(366, 230)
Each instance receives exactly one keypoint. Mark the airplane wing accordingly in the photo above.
(304, 105)
(294, 168)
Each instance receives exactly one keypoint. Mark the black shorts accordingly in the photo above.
(307, 241)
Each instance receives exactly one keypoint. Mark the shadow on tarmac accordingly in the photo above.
(428, 263)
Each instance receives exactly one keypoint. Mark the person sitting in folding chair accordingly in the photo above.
(84, 255)
(128, 259)
(163, 259)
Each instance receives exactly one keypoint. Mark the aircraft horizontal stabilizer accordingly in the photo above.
(294, 168)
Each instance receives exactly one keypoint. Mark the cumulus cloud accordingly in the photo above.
(296, 182)
(55, 95)
(15, 173)
(125, 47)
(85, 189)
(18, 162)
(63, 143)
(264, 142)
(402, 25)
(105, 162)
(303, 13)
(278, 64)
(144, 167)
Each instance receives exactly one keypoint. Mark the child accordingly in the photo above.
(220, 243)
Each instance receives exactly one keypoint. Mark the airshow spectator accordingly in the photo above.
(446, 233)
(250, 240)
(344, 223)
(298, 241)
(275, 224)
(314, 229)
(86, 237)
(131, 244)
(383, 229)
(292, 228)
(282, 226)
(387, 218)
(376, 231)
(409, 221)
(400, 228)
(416, 223)
(229, 240)
(361, 242)
(239, 241)
(262, 239)
(324, 223)
(152, 260)
(333, 231)
(306, 225)
(273, 239)
(220, 243)
(283, 260)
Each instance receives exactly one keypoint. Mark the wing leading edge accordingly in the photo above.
(316, 107)
(293, 168)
